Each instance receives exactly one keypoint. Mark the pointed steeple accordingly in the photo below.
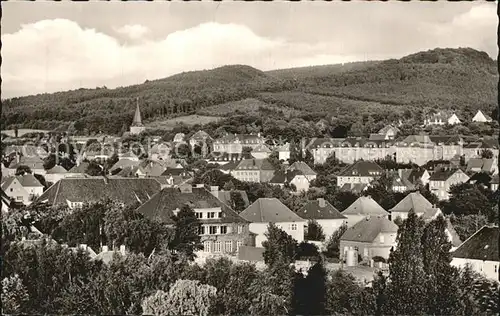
(137, 116)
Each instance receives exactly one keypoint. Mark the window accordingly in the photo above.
(211, 215)
(240, 229)
(219, 215)
(382, 239)
(223, 229)
(238, 245)
(207, 245)
(294, 226)
(217, 246)
(213, 230)
(11, 189)
(201, 230)
(228, 246)
(199, 215)
(19, 198)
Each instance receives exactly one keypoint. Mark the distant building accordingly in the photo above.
(371, 237)
(284, 152)
(234, 143)
(413, 201)
(137, 127)
(222, 230)
(325, 214)
(480, 252)
(441, 181)
(200, 137)
(254, 170)
(159, 151)
(482, 165)
(349, 150)
(35, 163)
(359, 172)
(22, 189)
(179, 138)
(271, 210)
(481, 117)
(442, 118)
(55, 174)
(417, 149)
(362, 208)
(261, 152)
(389, 132)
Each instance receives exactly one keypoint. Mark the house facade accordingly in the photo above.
(349, 150)
(441, 181)
(372, 237)
(414, 201)
(325, 214)
(361, 172)
(270, 210)
(254, 170)
(363, 208)
(234, 143)
(22, 189)
(480, 117)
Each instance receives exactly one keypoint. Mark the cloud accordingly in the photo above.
(58, 54)
(134, 31)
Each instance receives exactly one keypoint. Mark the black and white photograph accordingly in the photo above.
(250, 158)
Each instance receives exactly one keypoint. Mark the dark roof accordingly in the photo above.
(161, 205)
(175, 172)
(354, 187)
(362, 169)
(413, 201)
(29, 180)
(303, 167)
(225, 196)
(377, 137)
(415, 175)
(57, 169)
(125, 190)
(32, 162)
(312, 210)
(255, 164)
(443, 174)
(365, 205)
(368, 229)
(284, 177)
(481, 178)
(480, 163)
(269, 210)
(230, 165)
(79, 168)
(483, 245)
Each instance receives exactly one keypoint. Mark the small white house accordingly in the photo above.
(480, 251)
(325, 214)
(23, 189)
(453, 119)
(481, 117)
(363, 208)
(270, 210)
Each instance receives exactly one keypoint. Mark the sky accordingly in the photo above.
(58, 46)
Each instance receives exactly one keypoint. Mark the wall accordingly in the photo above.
(17, 192)
(353, 179)
(261, 228)
(370, 250)
(330, 226)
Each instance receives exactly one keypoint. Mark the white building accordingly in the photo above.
(359, 172)
(362, 208)
(480, 251)
(325, 214)
(271, 210)
(23, 189)
(441, 181)
(481, 117)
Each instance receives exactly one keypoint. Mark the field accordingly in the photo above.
(21, 132)
(189, 120)
(246, 106)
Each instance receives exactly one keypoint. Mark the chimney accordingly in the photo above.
(122, 250)
(214, 190)
(105, 249)
(321, 202)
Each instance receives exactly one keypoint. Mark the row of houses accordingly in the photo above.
(450, 118)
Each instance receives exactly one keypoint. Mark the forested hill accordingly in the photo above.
(462, 79)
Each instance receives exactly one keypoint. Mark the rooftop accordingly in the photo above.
(269, 210)
(368, 229)
(482, 245)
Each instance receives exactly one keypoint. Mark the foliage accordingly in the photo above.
(238, 204)
(14, 295)
(486, 153)
(346, 297)
(185, 297)
(186, 239)
(333, 243)
(22, 170)
(470, 199)
(467, 225)
(314, 231)
(279, 246)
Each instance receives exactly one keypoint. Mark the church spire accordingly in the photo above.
(137, 116)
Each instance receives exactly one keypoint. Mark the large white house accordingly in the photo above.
(480, 251)
(481, 117)
(271, 210)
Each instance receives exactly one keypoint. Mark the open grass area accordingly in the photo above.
(189, 120)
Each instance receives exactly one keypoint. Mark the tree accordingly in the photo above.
(185, 297)
(14, 295)
(278, 246)
(237, 201)
(469, 199)
(229, 186)
(406, 270)
(22, 170)
(314, 291)
(333, 244)
(443, 293)
(94, 169)
(186, 239)
(345, 296)
(314, 231)
(467, 225)
(486, 153)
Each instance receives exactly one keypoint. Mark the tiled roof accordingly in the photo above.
(431, 213)
(262, 148)
(269, 210)
(415, 175)
(376, 137)
(447, 140)
(25, 150)
(362, 169)
(480, 163)
(483, 245)
(32, 162)
(79, 168)
(7, 181)
(303, 168)
(125, 190)
(175, 172)
(255, 164)
(386, 128)
(368, 229)
(29, 180)
(152, 168)
(413, 201)
(313, 210)
(354, 187)
(230, 166)
(365, 205)
(57, 169)
(225, 196)
(480, 178)
(160, 148)
(281, 177)
(161, 205)
(443, 174)
(122, 163)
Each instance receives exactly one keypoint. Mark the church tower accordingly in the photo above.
(137, 127)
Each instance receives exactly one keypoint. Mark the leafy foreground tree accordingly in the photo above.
(185, 297)
(14, 295)
(333, 243)
(311, 291)
(479, 295)
(406, 274)
(186, 239)
(278, 246)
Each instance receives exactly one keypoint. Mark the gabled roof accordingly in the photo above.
(377, 137)
(424, 140)
(57, 169)
(482, 245)
(443, 174)
(175, 172)
(25, 150)
(480, 163)
(368, 229)
(415, 175)
(160, 148)
(81, 168)
(262, 148)
(255, 164)
(230, 166)
(413, 201)
(125, 190)
(386, 128)
(362, 169)
(32, 162)
(162, 205)
(313, 210)
(285, 147)
(354, 187)
(225, 196)
(7, 181)
(151, 168)
(200, 135)
(123, 163)
(303, 168)
(365, 205)
(269, 210)
(29, 180)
